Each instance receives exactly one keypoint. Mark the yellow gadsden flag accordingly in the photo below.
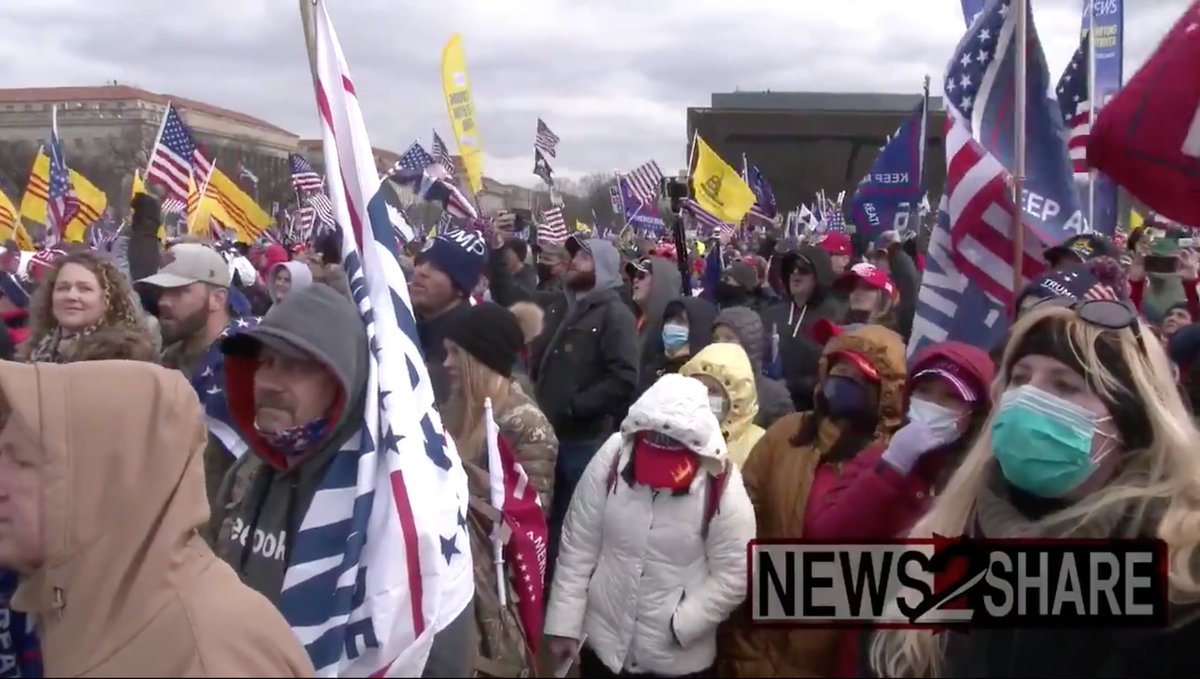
(92, 200)
(459, 105)
(11, 226)
(718, 188)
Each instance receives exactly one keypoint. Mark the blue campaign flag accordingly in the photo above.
(948, 306)
(764, 196)
(980, 89)
(892, 188)
(1107, 20)
(637, 214)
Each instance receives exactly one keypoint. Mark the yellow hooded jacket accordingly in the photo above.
(729, 365)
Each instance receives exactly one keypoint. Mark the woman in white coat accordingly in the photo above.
(653, 553)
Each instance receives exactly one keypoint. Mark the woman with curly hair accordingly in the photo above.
(85, 309)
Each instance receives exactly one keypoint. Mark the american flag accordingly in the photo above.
(304, 177)
(63, 204)
(177, 157)
(979, 203)
(553, 228)
(545, 140)
(644, 181)
(370, 580)
(102, 234)
(1074, 101)
(715, 225)
(209, 382)
(433, 187)
(441, 154)
(416, 158)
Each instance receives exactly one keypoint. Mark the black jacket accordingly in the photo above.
(584, 365)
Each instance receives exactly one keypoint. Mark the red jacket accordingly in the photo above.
(869, 499)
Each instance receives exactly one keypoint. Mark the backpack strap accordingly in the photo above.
(712, 501)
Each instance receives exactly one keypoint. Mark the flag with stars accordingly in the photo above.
(209, 383)
(524, 548)
(545, 140)
(304, 177)
(1075, 102)
(441, 154)
(62, 204)
(980, 90)
(177, 157)
(416, 158)
(381, 560)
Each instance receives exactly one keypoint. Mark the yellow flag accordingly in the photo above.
(137, 186)
(11, 226)
(240, 212)
(92, 200)
(457, 89)
(1136, 220)
(719, 189)
(581, 227)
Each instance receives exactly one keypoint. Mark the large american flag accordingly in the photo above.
(553, 228)
(177, 157)
(63, 204)
(643, 182)
(1075, 101)
(304, 177)
(545, 140)
(371, 580)
(441, 154)
(978, 200)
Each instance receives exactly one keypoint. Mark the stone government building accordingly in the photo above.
(807, 141)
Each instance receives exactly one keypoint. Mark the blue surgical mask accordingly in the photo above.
(674, 336)
(846, 398)
(1042, 442)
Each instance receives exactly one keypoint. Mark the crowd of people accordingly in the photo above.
(668, 407)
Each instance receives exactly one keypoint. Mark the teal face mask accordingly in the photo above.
(1042, 442)
(674, 337)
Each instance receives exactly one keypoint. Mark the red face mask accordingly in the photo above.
(663, 463)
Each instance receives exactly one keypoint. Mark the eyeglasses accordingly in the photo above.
(1109, 314)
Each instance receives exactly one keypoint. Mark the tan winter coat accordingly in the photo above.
(502, 649)
(128, 587)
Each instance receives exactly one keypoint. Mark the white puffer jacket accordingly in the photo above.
(634, 572)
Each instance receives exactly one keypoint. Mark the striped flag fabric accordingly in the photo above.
(304, 177)
(712, 223)
(981, 210)
(177, 157)
(370, 580)
(643, 182)
(1074, 100)
(545, 140)
(63, 204)
(441, 154)
(553, 228)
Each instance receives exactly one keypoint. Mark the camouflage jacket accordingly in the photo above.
(500, 644)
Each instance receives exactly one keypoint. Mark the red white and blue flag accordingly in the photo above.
(1075, 102)
(177, 157)
(382, 560)
(62, 204)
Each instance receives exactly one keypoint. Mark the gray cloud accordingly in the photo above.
(612, 78)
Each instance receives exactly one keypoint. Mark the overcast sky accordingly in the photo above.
(613, 78)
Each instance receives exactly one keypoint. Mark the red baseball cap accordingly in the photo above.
(857, 360)
(835, 243)
(869, 274)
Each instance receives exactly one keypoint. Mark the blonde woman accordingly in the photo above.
(481, 350)
(1089, 368)
(84, 308)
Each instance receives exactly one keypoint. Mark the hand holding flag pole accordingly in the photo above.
(496, 474)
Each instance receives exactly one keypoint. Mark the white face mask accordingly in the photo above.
(717, 405)
(941, 420)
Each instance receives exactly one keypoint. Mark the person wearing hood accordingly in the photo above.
(732, 395)
(687, 328)
(584, 365)
(741, 326)
(655, 283)
(446, 273)
(881, 492)
(101, 517)
(286, 277)
(740, 285)
(859, 404)
(654, 549)
(807, 275)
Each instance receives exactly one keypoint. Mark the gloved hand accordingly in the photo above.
(147, 215)
(909, 444)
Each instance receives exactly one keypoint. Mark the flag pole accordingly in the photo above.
(1018, 227)
(203, 193)
(1093, 99)
(162, 124)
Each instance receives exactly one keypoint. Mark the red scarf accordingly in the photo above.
(662, 463)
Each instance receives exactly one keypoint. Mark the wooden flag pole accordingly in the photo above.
(1018, 224)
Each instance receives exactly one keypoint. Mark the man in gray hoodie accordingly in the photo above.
(296, 385)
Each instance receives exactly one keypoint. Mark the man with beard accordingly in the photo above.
(193, 303)
(584, 365)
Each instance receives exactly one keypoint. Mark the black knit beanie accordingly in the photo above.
(490, 333)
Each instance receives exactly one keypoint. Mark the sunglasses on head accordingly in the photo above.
(1109, 314)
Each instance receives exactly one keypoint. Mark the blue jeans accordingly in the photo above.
(573, 459)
